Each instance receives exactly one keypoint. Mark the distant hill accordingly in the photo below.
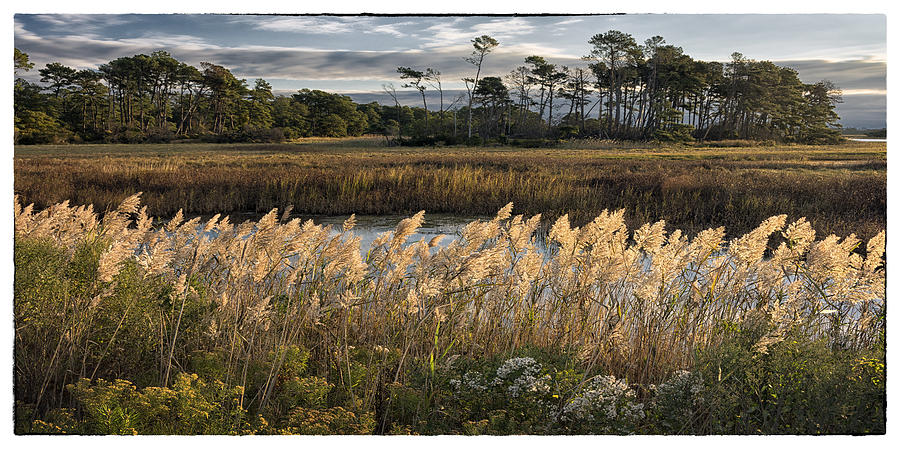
(867, 132)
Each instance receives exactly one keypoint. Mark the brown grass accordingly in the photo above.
(840, 189)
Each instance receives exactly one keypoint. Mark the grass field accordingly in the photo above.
(287, 327)
(518, 326)
(840, 189)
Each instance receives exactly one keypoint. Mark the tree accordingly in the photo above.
(332, 125)
(88, 93)
(290, 116)
(519, 80)
(162, 76)
(483, 45)
(818, 116)
(261, 99)
(225, 91)
(574, 88)
(653, 91)
(392, 92)
(416, 78)
(190, 90)
(32, 127)
(58, 75)
(614, 49)
(433, 77)
(323, 104)
(547, 78)
(494, 97)
(20, 62)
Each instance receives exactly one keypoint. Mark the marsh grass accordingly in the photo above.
(840, 189)
(296, 324)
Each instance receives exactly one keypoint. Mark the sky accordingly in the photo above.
(357, 55)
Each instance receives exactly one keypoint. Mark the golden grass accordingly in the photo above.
(637, 304)
(840, 189)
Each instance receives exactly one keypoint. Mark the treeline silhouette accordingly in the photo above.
(626, 91)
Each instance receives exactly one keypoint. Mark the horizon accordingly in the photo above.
(355, 55)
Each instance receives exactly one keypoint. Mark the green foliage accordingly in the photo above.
(307, 392)
(35, 127)
(798, 386)
(331, 421)
(296, 359)
(675, 133)
(207, 364)
(677, 404)
(21, 62)
(191, 406)
(330, 115)
(332, 125)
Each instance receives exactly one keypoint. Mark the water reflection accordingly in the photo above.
(369, 227)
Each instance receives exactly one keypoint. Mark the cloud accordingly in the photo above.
(284, 62)
(568, 22)
(324, 25)
(84, 23)
(86, 51)
(446, 34)
(458, 33)
(309, 25)
(846, 92)
(504, 28)
(849, 75)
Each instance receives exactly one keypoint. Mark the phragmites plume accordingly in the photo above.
(349, 223)
(561, 232)
(875, 252)
(406, 228)
(173, 224)
(750, 248)
(111, 260)
(800, 234)
(504, 212)
(651, 237)
(130, 205)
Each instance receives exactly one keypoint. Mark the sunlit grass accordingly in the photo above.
(284, 326)
(840, 189)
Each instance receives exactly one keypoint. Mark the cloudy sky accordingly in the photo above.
(356, 55)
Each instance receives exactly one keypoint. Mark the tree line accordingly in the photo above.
(624, 90)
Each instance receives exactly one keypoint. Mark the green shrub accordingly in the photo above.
(332, 421)
(676, 132)
(677, 403)
(308, 392)
(191, 406)
(68, 321)
(798, 386)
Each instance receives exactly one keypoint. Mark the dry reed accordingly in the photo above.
(633, 304)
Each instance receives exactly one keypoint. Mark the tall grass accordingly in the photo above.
(113, 296)
(840, 190)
